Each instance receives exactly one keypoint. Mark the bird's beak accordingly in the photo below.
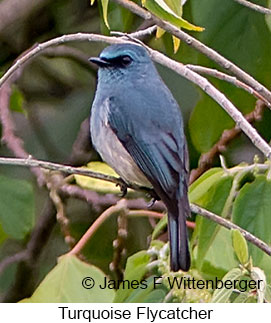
(99, 61)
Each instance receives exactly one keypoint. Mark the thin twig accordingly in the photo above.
(137, 34)
(228, 78)
(156, 215)
(152, 214)
(254, 6)
(93, 228)
(193, 42)
(119, 249)
(31, 162)
(229, 225)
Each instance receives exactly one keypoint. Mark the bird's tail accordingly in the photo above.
(178, 237)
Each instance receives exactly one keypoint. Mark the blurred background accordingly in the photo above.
(53, 96)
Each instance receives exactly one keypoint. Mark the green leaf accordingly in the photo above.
(97, 184)
(213, 199)
(160, 226)
(242, 36)
(216, 263)
(251, 211)
(200, 119)
(17, 212)
(240, 246)
(16, 100)
(223, 295)
(136, 268)
(63, 284)
(163, 11)
(241, 298)
(105, 11)
(139, 295)
(199, 188)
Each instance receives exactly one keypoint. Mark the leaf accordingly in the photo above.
(219, 257)
(92, 2)
(251, 211)
(176, 43)
(213, 199)
(163, 11)
(222, 295)
(199, 188)
(240, 246)
(159, 32)
(16, 100)
(17, 212)
(63, 284)
(136, 268)
(160, 226)
(97, 184)
(105, 11)
(241, 36)
(139, 295)
(241, 298)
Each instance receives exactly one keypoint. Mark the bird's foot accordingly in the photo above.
(123, 187)
(151, 203)
(154, 198)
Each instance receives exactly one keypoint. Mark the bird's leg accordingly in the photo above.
(154, 198)
(123, 187)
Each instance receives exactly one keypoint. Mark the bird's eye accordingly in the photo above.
(126, 60)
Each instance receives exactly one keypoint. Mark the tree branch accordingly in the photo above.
(193, 42)
(121, 205)
(230, 79)
(254, 6)
(229, 225)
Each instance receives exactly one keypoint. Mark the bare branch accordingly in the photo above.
(229, 225)
(121, 205)
(230, 79)
(254, 6)
(31, 162)
(193, 42)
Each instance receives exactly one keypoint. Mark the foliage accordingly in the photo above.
(53, 97)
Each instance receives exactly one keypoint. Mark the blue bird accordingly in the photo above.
(136, 126)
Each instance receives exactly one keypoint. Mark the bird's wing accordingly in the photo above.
(158, 150)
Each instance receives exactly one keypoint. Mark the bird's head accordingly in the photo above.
(117, 61)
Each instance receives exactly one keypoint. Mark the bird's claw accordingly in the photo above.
(154, 198)
(123, 188)
(151, 203)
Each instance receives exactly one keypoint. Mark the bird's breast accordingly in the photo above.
(111, 149)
